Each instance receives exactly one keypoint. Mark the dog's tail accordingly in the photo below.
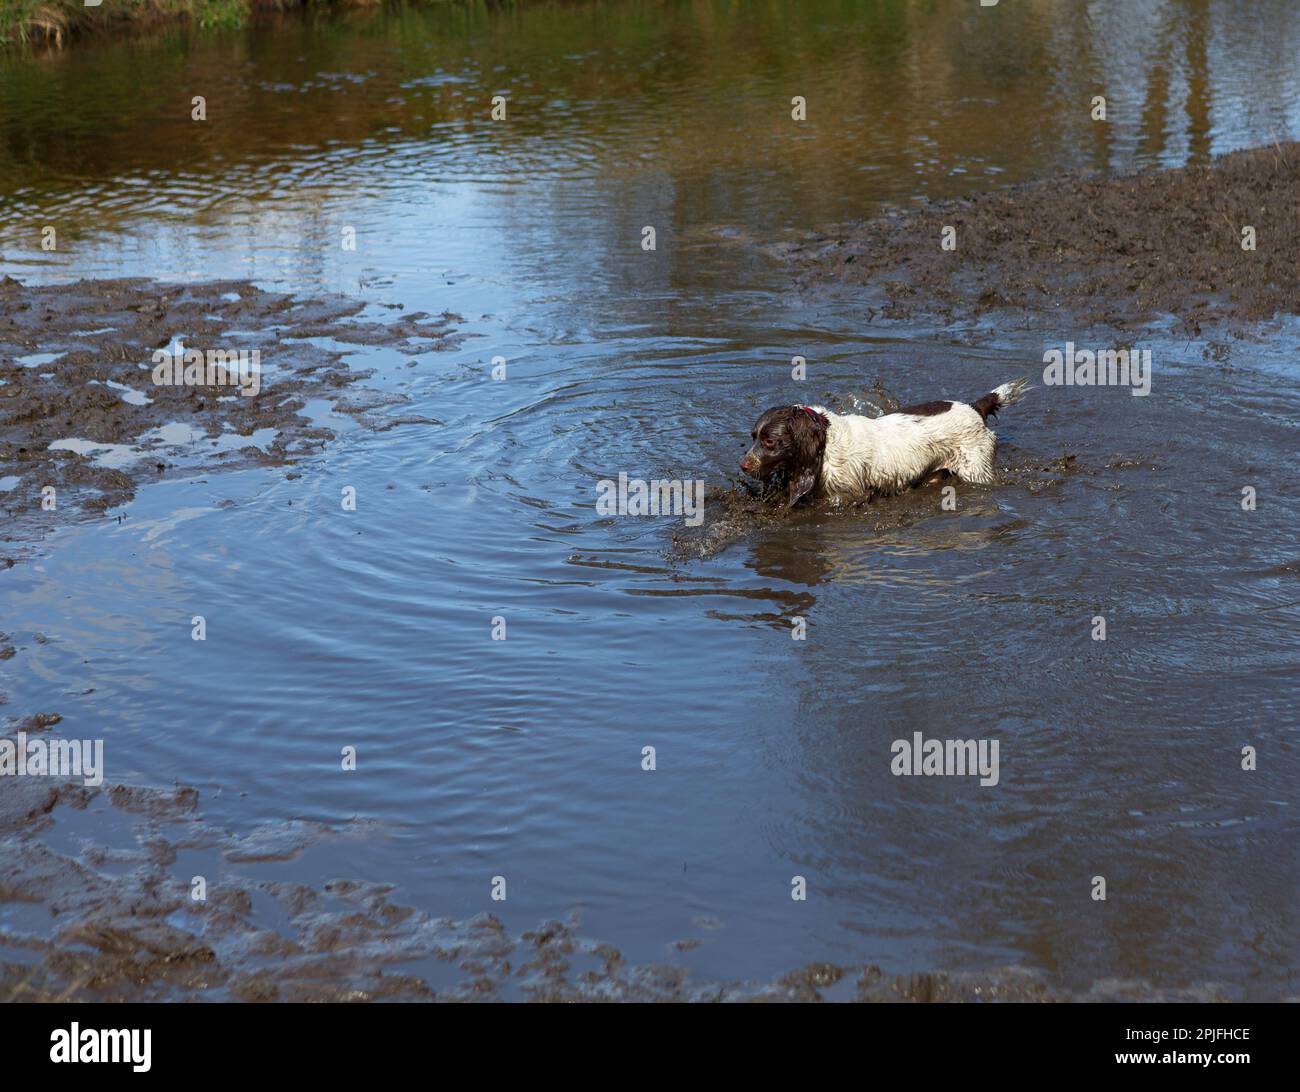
(1000, 397)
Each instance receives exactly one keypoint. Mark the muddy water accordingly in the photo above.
(522, 758)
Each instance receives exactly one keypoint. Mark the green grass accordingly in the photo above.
(55, 21)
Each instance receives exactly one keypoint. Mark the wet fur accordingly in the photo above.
(847, 457)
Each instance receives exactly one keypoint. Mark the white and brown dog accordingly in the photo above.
(845, 457)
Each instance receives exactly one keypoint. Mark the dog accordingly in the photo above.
(847, 457)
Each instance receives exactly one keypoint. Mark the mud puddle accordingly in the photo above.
(741, 509)
(99, 905)
(89, 411)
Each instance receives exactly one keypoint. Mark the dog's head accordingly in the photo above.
(790, 439)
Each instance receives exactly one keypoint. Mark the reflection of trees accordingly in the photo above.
(1186, 24)
(1155, 104)
(681, 113)
(1198, 84)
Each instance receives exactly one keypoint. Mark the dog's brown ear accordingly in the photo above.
(808, 436)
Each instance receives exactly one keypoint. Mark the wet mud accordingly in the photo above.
(112, 916)
(80, 412)
(118, 921)
(1115, 252)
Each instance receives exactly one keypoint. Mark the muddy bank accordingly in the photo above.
(84, 420)
(56, 22)
(1102, 251)
(118, 921)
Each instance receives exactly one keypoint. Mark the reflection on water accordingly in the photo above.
(522, 757)
(676, 115)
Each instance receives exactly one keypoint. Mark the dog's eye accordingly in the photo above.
(768, 442)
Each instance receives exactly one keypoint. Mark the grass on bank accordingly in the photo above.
(53, 22)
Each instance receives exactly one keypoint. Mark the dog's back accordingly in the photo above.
(874, 455)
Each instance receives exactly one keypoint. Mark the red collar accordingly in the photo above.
(817, 417)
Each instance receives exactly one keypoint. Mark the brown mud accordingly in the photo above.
(1114, 252)
(75, 365)
(114, 919)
